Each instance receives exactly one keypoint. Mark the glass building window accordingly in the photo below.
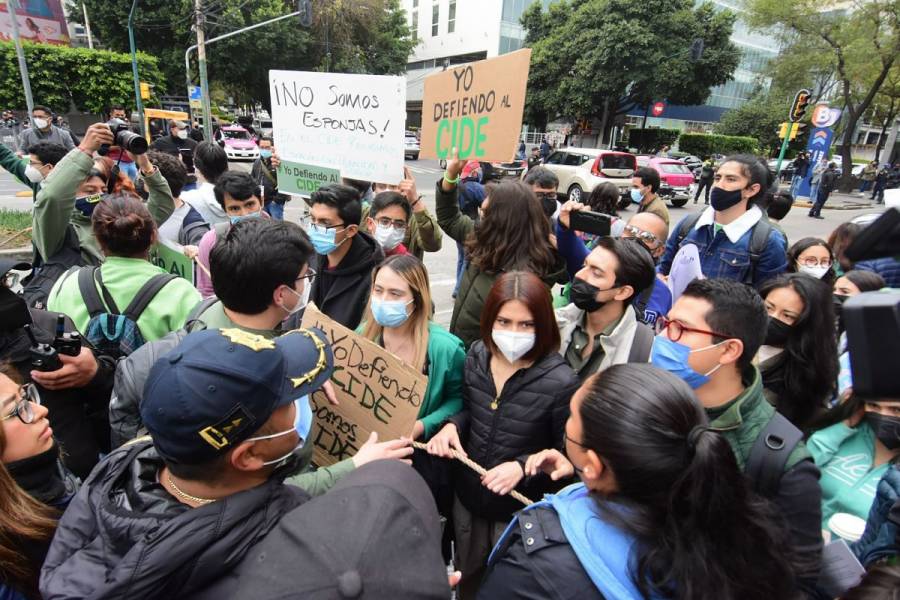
(415, 25)
(435, 15)
(451, 17)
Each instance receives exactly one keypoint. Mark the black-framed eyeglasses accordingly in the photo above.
(310, 275)
(545, 195)
(307, 220)
(647, 238)
(24, 408)
(395, 223)
(674, 330)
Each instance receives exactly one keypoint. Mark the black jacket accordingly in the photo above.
(173, 146)
(546, 568)
(342, 293)
(531, 416)
(124, 536)
(265, 175)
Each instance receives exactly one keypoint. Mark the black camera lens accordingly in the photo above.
(131, 141)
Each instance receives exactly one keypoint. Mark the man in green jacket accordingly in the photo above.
(75, 179)
(709, 339)
(34, 168)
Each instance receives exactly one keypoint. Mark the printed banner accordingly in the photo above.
(375, 392)
(298, 178)
(168, 256)
(352, 123)
(476, 108)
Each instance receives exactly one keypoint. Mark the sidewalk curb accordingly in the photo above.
(804, 204)
(21, 250)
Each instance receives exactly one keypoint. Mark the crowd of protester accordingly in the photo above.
(167, 455)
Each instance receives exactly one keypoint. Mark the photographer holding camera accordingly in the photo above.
(62, 232)
(75, 381)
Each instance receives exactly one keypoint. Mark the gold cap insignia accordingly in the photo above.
(248, 340)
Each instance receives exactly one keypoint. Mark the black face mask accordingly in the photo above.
(778, 333)
(839, 300)
(13, 310)
(723, 199)
(887, 429)
(584, 295)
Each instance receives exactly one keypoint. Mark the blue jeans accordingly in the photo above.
(129, 168)
(275, 210)
(865, 185)
(795, 183)
(460, 266)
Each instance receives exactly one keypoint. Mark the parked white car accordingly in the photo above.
(412, 146)
(580, 170)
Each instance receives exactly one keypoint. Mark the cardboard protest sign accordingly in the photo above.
(169, 257)
(298, 178)
(375, 391)
(352, 123)
(476, 108)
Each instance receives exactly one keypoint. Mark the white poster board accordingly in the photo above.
(352, 123)
(685, 269)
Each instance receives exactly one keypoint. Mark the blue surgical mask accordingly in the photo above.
(322, 238)
(390, 313)
(86, 204)
(265, 153)
(238, 218)
(673, 357)
(303, 418)
(636, 195)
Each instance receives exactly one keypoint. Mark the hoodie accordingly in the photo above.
(124, 536)
(343, 292)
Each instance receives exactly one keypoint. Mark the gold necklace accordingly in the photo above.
(187, 496)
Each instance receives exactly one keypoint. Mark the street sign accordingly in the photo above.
(194, 97)
(798, 106)
(658, 109)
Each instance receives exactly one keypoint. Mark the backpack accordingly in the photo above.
(758, 240)
(770, 453)
(641, 344)
(111, 331)
(40, 282)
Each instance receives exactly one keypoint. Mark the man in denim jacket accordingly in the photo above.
(723, 231)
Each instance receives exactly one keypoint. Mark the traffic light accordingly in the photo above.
(305, 9)
(798, 107)
(782, 131)
(797, 130)
(145, 91)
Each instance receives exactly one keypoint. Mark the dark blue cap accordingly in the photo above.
(218, 387)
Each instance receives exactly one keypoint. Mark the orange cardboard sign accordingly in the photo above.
(375, 391)
(476, 108)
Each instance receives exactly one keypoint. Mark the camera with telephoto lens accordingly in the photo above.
(124, 138)
(68, 343)
(44, 357)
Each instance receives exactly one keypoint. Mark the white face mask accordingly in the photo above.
(182, 133)
(389, 237)
(817, 272)
(40, 123)
(302, 299)
(513, 345)
(33, 174)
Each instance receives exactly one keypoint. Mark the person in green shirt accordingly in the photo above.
(125, 231)
(853, 455)
(34, 168)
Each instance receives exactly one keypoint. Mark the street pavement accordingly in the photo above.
(442, 265)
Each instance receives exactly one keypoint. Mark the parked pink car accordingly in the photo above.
(237, 142)
(675, 178)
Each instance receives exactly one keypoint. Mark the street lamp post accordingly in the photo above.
(13, 6)
(134, 68)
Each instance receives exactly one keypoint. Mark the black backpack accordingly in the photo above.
(40, 282)
(113, 332)
(769, 455)
(758, 240)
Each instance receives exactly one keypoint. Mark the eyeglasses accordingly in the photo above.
(24, 408)
(812, 261)
(674, 330)
(545, 195)
(310, 275)
(395, 223)
(308, 220)
(646, 237)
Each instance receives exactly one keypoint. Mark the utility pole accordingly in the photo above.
(87, 26)
(134, 69)
(201, 63)
(13, 6)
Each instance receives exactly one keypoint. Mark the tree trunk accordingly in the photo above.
(889, 121)
(603, 121)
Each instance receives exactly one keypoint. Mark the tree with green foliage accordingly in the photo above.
(60, 76)
(760, 118)
(860, 41)
(602, 58)
(362, 36)
(707, 144)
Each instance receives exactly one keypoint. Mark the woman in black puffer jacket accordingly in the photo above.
(515, 402)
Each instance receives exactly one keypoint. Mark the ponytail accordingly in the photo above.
(700, 534)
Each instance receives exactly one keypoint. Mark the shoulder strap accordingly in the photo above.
(198, 311)
(88, 279)
(640, 344)
(769, 454)
(640, 305)
(687, 224)
(146, 294)
(759, 238)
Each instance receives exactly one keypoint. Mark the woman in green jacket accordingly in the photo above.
(399, 320)
(125, 231)
(513, 234)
